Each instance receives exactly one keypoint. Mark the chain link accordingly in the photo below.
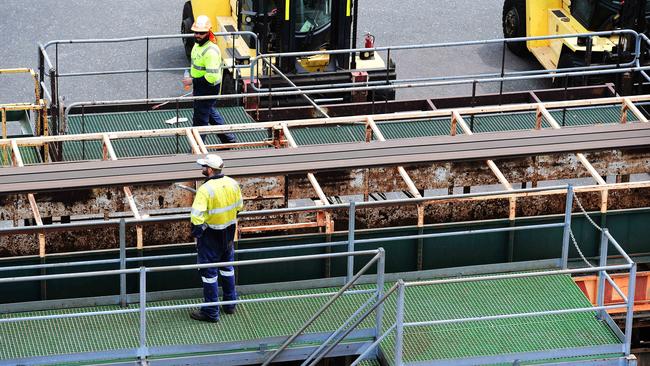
(573, 239)
(585, 213)
(575, 244)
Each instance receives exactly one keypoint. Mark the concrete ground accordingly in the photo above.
(29, 22)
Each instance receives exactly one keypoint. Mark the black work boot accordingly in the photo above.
(228, 310)
(200, 316)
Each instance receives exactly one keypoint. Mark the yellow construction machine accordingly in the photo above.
(285, 26)
(531, 18)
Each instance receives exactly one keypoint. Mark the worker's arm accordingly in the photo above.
(213, 65)
(198, 213)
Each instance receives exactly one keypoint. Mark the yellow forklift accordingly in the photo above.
(530, 18)
(291, 26)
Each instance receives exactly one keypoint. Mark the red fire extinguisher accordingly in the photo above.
(368, 42)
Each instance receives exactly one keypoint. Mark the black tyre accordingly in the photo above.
(186, 27)
(514, 25)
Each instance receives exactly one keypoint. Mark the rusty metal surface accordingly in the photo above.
(332, 157)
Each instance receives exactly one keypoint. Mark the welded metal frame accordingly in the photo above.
(143, 351)
(624, 347)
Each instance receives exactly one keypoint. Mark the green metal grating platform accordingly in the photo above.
(263, 321)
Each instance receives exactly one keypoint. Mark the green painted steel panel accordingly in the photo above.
(416, 128)
(131, 121)
(30, 155)
(629, 227)
(503, 122)
(590, 116)
(333, 134)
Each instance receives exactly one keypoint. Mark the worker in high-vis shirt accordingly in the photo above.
(214, 218)
(206, 75)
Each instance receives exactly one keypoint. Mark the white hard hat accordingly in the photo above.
(211, 160)
(202, 24)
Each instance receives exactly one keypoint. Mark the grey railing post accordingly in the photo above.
(142, 350)
(567, 227)
(629, 316)
(399, 329)
(604, 243)
(351, 218)
(122, 262)
(381, 264)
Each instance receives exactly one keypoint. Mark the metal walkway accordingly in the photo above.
(259, 326)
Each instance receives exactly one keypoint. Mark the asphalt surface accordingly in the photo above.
(26, 23)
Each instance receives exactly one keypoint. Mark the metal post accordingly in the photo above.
(142, 350)
(351, 218)
(503, 69)
(147, 70)
(567, 227)
(399, 329)
(630, 309)
(604, 242)
(122, 262)
(381, 264)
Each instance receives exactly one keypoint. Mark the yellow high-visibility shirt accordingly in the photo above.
(217, 203)
(206, 62)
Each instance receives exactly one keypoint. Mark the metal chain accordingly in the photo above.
(573, 239)
(575, 244)
(585, 213)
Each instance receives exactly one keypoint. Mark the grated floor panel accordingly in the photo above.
(424, 303)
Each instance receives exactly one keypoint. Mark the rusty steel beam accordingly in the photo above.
(331, 157)
(493, 167)
(590, 168)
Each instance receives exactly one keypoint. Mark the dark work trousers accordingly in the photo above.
(212, 247)
(205, 111)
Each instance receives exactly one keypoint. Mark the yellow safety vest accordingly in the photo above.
(206, 62)
(216, 203)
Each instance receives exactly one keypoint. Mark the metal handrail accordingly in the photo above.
(329, 303)
(304, 91)
(329, 208)
(390, 86)
(142, 351)
(633, 33)
(399, 325)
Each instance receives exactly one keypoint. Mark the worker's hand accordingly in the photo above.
(197, 230)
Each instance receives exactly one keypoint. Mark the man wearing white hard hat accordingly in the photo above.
(206, 76)
(214, 218)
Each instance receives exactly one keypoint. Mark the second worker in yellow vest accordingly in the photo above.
(206, 76)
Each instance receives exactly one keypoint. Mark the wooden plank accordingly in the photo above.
(109, 147)
(190, 139)
(635, 110)
(300, 225)
(18, 159)
(199, 140)
(338, 120)
(402, 172)
(583, 160)
(331, 157)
